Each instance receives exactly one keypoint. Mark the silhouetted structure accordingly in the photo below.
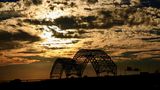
(60, 65)
(100, 61)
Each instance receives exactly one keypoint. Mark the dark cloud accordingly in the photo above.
(37, 2)
(33, 52)
(151, 3)
(9, 14)
(1, 5)
(32, 2)
(9, 45)
(69, 34)
(155, 31)
(18, 36)
(133, 53)
(76, 22)
(71, 22)
(92, 1)
(109, 18)
(10, 40)
(153, 39)
(38, 21)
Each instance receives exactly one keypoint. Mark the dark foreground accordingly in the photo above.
(144, 81)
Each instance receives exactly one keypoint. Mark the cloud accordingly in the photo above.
(9, 14)
(39, 58)
(32, 2)
(5, 60)
(10, 45)
(14, 40)
(33, 51)
(37, 2)
(18, 36)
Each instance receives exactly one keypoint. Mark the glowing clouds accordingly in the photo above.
(50, 41)
(53, 14)
(46, 34)
(15, 60)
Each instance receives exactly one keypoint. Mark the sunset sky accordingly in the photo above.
(33, 33)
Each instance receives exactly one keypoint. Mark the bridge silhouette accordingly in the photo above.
(99, 59)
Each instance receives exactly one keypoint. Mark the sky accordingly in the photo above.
(34, 33)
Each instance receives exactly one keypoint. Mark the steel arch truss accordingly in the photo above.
(100, 61)
(61, 65)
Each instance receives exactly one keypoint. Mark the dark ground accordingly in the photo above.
(143, 81)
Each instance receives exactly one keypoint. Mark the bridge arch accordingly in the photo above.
(62, 65)
(99, 59)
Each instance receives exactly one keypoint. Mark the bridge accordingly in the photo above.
(100, 61)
